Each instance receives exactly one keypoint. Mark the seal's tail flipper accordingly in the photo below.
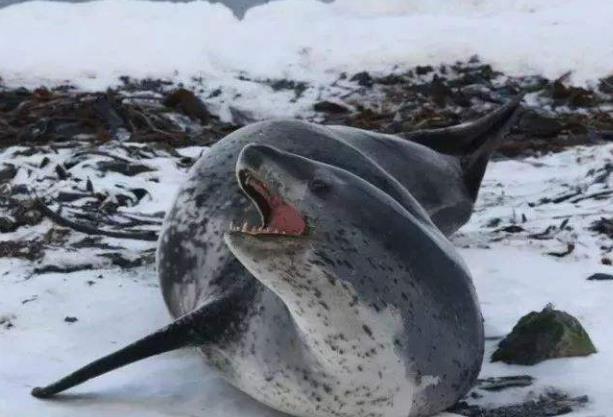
(174, 336)
(472, 142)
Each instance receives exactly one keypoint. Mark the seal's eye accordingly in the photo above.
(318, 186)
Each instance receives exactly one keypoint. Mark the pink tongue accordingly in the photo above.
(285, 218)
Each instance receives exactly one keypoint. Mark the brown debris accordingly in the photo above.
(50, 116)
(25, 249)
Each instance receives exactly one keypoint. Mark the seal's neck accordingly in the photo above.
(333, 322)
(335, 350)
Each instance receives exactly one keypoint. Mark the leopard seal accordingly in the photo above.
(215, 298)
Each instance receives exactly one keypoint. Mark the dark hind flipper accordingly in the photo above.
(466, 138)
(473, 142)
(186, 330)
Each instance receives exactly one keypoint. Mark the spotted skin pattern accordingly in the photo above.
(371, 314)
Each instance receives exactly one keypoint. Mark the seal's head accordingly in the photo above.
(307, 205)
(300, 200)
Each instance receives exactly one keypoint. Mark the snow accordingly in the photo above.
(91, 45)
(513, 276)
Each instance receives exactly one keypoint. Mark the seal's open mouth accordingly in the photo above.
(278, 216)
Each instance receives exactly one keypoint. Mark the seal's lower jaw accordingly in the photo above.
(278, 216)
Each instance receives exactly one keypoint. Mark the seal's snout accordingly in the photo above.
(255, 169)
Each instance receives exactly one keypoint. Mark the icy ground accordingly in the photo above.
(513, 273)
(91, 45)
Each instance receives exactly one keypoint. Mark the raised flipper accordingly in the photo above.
(472, 142)
(186, 330)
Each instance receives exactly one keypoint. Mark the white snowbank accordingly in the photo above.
(92, 44)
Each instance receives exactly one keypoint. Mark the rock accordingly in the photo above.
(6, 321)
(69, 196)
(479, 74)
(545, 335)
(392, 79)
(512, 229)
(494, 222)
(61, 172)
(139, 193)
(599, 276)
(285, 84)
(122, 261)
(505, 382)
(537, 124)
(299, 87)
(123, 167)
(7, 172)
(103, 107)
(10, 100)
(604, 226)
(606, 85)
(7, 225)
(363, 78)
(56, 236)
(28, 216)
(47, 269)
(186, 102)
(439, 91)
(95, 242)
(28, 249)
(330, 107)
(573, 96)
(423, 70)
(552, 403)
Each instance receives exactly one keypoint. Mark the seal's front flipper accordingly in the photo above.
(182, 332)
